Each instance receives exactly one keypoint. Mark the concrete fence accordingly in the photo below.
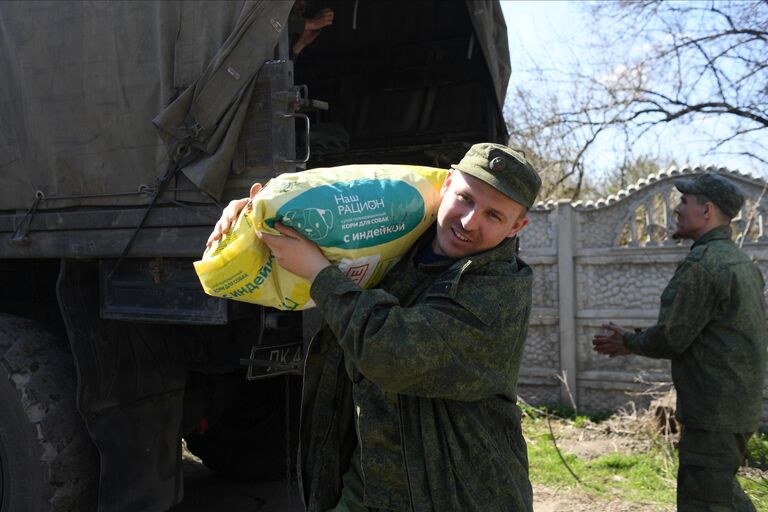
(610, 260)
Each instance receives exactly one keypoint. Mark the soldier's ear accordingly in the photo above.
(447, 182)
(518, 225)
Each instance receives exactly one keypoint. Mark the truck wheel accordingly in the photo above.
(248, 442)
(47, 460)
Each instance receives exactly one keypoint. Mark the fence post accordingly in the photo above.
(567, 301)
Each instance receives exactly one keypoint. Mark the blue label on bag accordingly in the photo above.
(354, 214)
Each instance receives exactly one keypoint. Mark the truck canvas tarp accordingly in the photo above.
(82, 86)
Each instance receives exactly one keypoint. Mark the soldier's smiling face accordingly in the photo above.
(474, 217)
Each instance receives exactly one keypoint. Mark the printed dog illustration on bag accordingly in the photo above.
(313, 223)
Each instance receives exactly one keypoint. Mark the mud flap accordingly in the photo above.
(131, 379)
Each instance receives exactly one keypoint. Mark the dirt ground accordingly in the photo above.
(590, 442)
(204, 491)
(546, 499)
(593, 441)
(207, 492)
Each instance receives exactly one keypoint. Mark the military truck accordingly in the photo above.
(126, 127)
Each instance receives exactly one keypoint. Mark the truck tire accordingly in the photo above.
(47, 460)
(248, 442)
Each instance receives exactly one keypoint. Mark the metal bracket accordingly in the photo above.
(306, 131)
(306, 104)
(21, 232)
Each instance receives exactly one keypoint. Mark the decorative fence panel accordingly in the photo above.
(609, 260)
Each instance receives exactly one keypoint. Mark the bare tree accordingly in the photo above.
(703, 64)
(550, 144)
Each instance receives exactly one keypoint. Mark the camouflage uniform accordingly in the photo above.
(420, 376)
(712, 326)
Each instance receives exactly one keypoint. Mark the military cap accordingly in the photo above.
(503, 168)
(716, 188)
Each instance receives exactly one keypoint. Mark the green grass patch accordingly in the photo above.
(618, 461)
(757, 456)
(640, 478)
(565, 412)
(647, 477)
(757, 450)
(757, 490)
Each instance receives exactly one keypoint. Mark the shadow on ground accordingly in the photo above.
(205, 491)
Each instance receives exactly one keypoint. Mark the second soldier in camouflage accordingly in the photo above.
(712, 327)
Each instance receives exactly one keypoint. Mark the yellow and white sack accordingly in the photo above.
(363, 218)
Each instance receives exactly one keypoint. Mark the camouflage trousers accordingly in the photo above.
(706, 479)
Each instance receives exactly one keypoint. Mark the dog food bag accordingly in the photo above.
(364, 218)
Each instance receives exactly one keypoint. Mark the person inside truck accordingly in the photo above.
(303, 31)
(410, 388)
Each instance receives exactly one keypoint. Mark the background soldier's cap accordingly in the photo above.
(504, 169)
(716, 188)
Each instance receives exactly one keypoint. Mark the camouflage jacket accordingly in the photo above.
(712, 326)
(422, 374)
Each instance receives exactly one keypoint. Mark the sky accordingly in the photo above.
(551, 33)
(537, 27)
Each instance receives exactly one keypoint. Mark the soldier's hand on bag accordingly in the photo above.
(611, 344)
(229, 215)
(295, 253)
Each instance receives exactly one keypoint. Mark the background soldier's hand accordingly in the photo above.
(323, 19)
(295, 253)
(611, 344)
(312, 28)
(229, 215)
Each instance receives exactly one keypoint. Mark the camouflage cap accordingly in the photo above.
(716, 188)
(504, 169)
